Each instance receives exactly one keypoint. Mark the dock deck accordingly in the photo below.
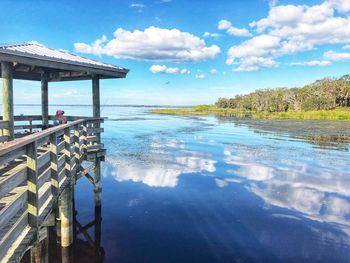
(35, 170)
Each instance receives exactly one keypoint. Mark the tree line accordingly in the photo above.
(324, 94)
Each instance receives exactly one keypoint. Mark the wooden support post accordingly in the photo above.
(96, 96)
(7, 97)
(58, 220)
(45, 100)
(39, 253)
(96, 101)
(97, 230)
(65, 253)
(32, 181)
(54, 164)
(66, 216)
(97, 183)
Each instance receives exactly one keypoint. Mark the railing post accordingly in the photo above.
(67, 152)
(76, 145)
(84, 138)
(32, 178)
(31, 125)
(54, 164)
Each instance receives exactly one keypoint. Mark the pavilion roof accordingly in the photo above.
(32, 59)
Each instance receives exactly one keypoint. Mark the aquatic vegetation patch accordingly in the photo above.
(335, 114)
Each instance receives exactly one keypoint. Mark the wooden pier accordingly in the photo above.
(36, 172)
(39, 162)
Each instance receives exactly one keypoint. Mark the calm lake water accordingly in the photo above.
(205, 189)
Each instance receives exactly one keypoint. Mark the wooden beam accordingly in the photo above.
(18, 200)
(10, 237)
(12, 178)
(7, 97)
(45, 100)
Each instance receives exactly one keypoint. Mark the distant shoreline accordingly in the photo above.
(203, 110)
(109, 105)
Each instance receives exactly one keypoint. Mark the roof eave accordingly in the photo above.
(48, 62)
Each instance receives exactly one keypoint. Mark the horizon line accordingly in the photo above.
(106, 105)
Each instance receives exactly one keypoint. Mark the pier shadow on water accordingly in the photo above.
(86, 245)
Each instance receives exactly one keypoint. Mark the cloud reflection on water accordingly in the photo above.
(162, 168)
(285, 173)
(316, 192)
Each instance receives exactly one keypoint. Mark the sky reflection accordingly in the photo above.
(232, 190)
(161, 169)
(206, 189)
(316, 192)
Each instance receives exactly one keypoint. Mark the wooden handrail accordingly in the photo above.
(37, 169)
(18, 143)
(51, 117)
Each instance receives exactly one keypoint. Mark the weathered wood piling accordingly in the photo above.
(7, 98)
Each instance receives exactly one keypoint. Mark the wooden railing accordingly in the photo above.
(35, 169)
(27, 124)
(4, 125)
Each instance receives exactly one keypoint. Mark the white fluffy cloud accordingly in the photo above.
(263, 45)
(200, 76)
(137, 5)
(255, 63)
(185, 71)
(152, 44)
(312, 63)
(273, 3)
(291, 29)
(234, 31)
(342, 6)
(334, 56)
(156, 69)
(213, 71)
(213, 35)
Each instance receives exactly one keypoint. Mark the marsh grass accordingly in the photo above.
(336, 114)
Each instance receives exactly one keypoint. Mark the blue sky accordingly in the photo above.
(185, 52)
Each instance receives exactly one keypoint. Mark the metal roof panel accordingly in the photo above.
(41, 51)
